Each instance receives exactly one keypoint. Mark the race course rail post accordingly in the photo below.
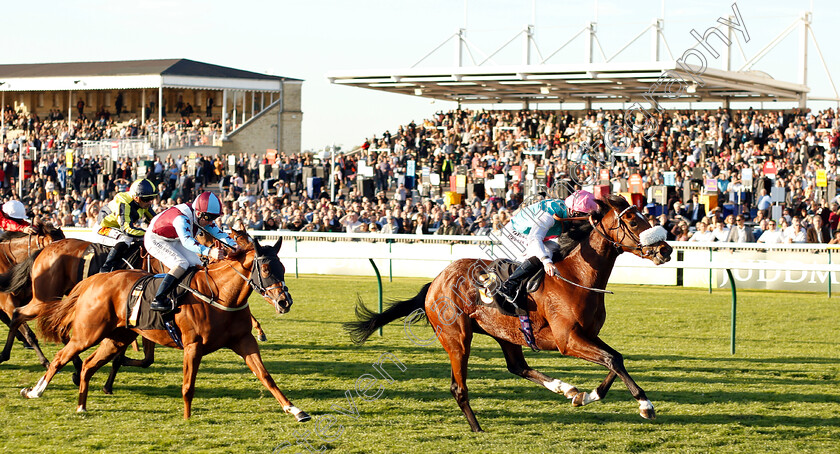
(734, 307)
(379, 283)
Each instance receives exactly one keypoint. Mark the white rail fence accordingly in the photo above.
(802, 267)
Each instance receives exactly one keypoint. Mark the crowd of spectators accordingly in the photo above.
(549, 145)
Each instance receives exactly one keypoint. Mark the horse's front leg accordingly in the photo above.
(247, 348)
(255, 324)
(592, 348)
(192, 359)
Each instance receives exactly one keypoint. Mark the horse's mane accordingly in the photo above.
(580, 230)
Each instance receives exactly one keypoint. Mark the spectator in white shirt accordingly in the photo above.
(771, 235)
(795, 233)
(720, 232)
(702, 234)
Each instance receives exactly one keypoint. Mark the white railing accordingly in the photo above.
(805, 267)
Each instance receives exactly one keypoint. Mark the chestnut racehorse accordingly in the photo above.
(95, 311)
(15, 247)
(564, 316)
(50, 274)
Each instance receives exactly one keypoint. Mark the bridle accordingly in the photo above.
(625, 229)
(257, 281)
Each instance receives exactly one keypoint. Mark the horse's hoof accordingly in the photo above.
(4, 358)
(107, 390)
(577, 401)
(81, 409)
(302, 417)
(46, 364)
(75, 378)
(262, 337)
(648, 413)
(25, 393)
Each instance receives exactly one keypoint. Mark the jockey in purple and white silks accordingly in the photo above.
(532, 227)
(171, 239)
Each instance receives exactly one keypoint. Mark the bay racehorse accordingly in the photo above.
(15, 247)
(51, 273)
(564, 316)
(95, 311)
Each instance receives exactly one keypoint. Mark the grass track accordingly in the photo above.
(779, 393)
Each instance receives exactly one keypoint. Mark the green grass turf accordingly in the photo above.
(778, 393)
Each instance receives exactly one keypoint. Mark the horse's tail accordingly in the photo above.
(369, 321)
(56, 318)
(18, 277)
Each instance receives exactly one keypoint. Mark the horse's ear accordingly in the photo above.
(277, 245)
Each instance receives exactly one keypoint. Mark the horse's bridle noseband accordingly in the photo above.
(625, 229)
(256, 281)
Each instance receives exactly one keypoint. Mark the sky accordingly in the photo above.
(307, 39)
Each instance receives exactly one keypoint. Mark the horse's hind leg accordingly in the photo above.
(516, 365)
(456, 339)
(73, 348)
(109, 348)
(20, 316)
(122, 360)
(597, 351)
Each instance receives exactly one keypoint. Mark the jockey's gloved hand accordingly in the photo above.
(216, 253)
(29, 230)
(550, 270)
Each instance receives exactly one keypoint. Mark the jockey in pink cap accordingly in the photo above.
(532, 227)
(170, 238)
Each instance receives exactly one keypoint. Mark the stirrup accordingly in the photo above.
(162, 306)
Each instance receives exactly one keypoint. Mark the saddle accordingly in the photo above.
(95, 255)
(492, 277)
(139, 298)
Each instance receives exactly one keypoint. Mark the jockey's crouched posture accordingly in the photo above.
(171, 239)
(532, 227)
(118, 220)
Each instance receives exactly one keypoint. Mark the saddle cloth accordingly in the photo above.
(139, 298)
(492, 277)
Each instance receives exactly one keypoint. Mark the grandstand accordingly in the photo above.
(152, 91)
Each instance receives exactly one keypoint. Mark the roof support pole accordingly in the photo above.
(3, 113)
(589, 49)
(233, 104)
(253, 102)
(654, 43)
(803, 55)
(224, 113)
(70, 109)
(727, 50)
(160, 115)
(262, 101)
(143, 106)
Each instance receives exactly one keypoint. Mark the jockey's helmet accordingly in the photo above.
(581, 202)
(143, 189)
(207, 205)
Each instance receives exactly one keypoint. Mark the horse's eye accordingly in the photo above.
(634, 224)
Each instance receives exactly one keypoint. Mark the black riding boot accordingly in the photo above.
(161, 302)
(114, 257)
(510, 288)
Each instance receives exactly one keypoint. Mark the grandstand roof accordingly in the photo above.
(133, 74)
(595, 82)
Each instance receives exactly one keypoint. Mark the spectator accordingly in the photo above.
(740, 233)
(795, 233)
(771, 235)
(818, 233)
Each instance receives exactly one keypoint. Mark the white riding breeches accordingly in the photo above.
(170, 252)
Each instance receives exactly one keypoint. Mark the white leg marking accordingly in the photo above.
(292, 409)
(81, 409)
(558, 386)
(39, 388)
(645, 405)
(588, 398)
